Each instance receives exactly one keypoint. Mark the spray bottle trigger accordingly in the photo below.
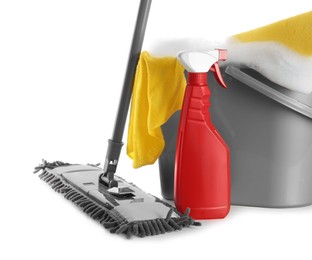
(217, 74)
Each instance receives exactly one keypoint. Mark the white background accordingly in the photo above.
(62, 64)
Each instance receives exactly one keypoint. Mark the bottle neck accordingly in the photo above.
(197, 78)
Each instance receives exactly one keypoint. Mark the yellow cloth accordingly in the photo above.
(294, 32)
(158, 92)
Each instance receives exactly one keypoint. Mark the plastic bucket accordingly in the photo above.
(269, 131)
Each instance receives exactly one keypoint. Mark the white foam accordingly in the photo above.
(275, 61)
(171, 47)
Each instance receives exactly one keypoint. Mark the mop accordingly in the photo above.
(118, 205)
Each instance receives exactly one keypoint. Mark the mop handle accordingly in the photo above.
(115, 144)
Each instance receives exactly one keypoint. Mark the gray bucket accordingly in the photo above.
(269, 131)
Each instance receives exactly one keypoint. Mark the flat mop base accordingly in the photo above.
(140, 214)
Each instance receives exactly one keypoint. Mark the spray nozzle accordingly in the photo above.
(222, 54)
(200, 62)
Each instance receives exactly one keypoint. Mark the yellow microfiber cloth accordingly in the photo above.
(294, 32)
(158, 92)
(281, 51)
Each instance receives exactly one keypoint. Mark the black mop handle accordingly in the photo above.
(136, 47)
(115, 144)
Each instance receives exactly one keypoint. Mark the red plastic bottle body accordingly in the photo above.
(202, 163)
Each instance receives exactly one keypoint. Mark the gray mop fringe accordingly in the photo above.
(102, 213)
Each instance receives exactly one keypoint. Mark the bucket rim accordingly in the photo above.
(266, 90)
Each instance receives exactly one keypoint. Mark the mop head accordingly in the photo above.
(281, 51)
(139, 214)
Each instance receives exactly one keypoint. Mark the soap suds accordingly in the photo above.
(273, 60)
(165, 47)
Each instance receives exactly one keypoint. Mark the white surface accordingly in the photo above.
(58, 98)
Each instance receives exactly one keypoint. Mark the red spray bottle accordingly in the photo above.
(202, 163)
